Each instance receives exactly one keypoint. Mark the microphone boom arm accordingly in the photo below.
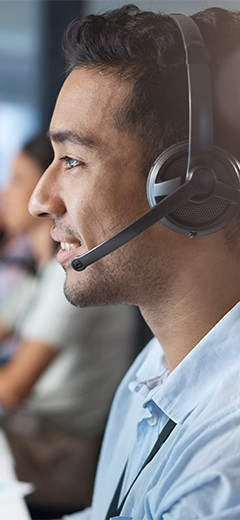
(163, 208)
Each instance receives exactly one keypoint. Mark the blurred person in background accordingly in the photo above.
(27, 167)
(15, 259)
(15, 252)
(18, 254)
(56, 390)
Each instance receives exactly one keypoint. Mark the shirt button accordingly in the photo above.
(153, 420)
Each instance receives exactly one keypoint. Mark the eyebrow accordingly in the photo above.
(72, 137)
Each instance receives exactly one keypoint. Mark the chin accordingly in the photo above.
(77, 292)
(72, 289)
(87, 289)
(71, 297)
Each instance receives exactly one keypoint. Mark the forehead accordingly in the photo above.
(89, 101)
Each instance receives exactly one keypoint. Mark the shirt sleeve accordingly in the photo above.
(212, 495)
(13, 309)
(50, 318)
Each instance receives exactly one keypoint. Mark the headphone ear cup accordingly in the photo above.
(195, 216)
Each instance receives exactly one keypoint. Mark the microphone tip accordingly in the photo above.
(77, 264)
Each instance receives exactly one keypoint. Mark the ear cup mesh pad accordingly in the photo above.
(199, 212)
(198, 216)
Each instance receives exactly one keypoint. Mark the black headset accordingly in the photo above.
(202, 214)
(193, 187)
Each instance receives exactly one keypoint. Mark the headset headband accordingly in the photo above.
(200, 141)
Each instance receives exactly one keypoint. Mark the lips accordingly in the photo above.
(67, 252)
(68, 245)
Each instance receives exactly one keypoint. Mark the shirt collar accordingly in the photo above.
(179, 392)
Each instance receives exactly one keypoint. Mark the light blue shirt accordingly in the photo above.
(196, 473)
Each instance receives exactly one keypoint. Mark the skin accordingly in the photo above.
(105, 181)
(15, 198)
(32, 357)
(182, 286)
(25, 175)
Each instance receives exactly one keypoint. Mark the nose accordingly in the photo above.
(45, 200)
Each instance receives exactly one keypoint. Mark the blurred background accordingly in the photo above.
(31, 75)
(31, 65)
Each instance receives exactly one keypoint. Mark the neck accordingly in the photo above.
(201, 294)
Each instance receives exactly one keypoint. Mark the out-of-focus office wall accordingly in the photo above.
(20, 26)
(31, 65)
(31, 69)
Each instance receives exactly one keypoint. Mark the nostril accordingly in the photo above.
(44, 215)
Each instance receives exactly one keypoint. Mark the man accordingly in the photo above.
(54, 395)
(123, 103)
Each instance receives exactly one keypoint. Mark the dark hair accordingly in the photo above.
(39, 148)
(147, 49)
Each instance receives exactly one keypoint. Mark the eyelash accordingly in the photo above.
(67, 160)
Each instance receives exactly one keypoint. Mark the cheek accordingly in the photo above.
(99, 208)
(125, 201)
(90, 215)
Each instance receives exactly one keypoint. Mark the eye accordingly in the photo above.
(71, 163)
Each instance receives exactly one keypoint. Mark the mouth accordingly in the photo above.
(67, 251)
(67, 246)
(70, 245)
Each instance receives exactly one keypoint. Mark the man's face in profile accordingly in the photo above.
(94, 187)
